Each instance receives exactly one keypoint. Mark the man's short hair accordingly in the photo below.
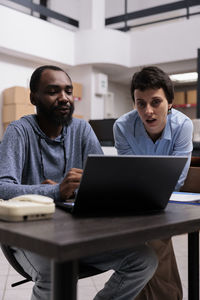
(35, 77)
(152, 78)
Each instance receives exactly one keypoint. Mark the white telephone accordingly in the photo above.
(27, 207)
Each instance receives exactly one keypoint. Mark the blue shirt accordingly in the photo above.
(131, 138)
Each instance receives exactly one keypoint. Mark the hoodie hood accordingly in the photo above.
(33, 123)
(44, 141)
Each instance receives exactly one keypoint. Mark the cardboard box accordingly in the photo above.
(16, 95)
(13, 112)
(21, 95)
(192, 96)
(5, 125)
(77, 91)
(78, 116)
(179, 98)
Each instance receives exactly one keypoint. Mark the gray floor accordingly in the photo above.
(87, 288)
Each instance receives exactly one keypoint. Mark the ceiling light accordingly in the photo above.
(184, 77)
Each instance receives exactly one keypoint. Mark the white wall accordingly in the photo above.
(116, 7)
(69, 8)
(16, 6)
(166, 42)
(90, 106)
(83, 75)
(35, 39)
(123, 102)
(97, 102)
(102, 46)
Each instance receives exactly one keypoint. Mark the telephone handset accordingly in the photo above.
(27, 207)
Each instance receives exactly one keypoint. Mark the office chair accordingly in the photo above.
(84, 270)
(192, 181)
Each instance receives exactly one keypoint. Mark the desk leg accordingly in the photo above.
(193, 266)
(64, 280)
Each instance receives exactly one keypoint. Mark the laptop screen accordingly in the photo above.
(115, 183)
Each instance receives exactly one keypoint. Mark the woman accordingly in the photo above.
(155, 128)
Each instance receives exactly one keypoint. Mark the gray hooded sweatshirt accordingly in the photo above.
(28, 156)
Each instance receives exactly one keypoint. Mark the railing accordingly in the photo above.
(45, 12)
(165, 8)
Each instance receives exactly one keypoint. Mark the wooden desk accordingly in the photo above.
(65, 239)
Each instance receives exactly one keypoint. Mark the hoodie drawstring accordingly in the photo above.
(41, 158)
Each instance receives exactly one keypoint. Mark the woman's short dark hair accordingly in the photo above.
(35, 77)
(152, 78)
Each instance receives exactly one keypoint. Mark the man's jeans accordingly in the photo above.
(133, 269)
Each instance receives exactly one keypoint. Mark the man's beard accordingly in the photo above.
(51, 115)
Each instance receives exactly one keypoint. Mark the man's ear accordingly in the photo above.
(33, 98)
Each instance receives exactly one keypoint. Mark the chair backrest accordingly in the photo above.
(84, 270)
(192, 182)
(9, 254)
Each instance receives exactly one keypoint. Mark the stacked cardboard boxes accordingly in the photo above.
(16, 103)
(192, 96)
(77, 95)
(185, 97)
(77, 91)
(179, 98)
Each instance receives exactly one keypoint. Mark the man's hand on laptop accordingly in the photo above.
(70, 183)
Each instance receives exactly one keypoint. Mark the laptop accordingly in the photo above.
(125, 184)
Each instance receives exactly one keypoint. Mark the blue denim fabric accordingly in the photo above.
(133, 269)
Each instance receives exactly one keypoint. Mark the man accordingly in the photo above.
(155, 128)
(44, 154)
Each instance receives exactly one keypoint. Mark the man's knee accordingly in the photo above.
(151, 260)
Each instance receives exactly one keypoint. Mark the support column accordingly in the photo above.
(92, 18)
(198, 84)
(92, 14)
